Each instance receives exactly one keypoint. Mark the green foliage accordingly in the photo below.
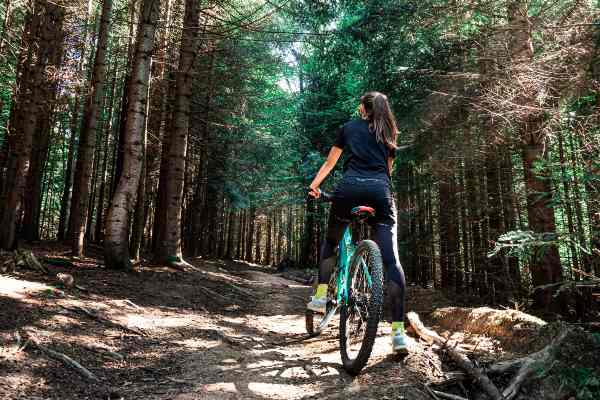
(529, 244)
(585, 382)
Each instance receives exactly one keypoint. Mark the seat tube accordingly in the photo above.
(346, 250)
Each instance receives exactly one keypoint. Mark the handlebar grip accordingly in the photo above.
(325, 197)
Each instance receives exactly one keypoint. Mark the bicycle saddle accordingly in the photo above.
(363, 211)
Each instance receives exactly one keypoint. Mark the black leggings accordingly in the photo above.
(376, 193)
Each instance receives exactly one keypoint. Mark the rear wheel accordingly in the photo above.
(312, 319)
(359, 316)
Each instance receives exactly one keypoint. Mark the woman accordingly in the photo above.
(370, 144)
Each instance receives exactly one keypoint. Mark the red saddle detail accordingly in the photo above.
(363, 210)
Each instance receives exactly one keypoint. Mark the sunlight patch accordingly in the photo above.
(155, 321)
(19, 289)
(278, 391)
(197, 343)
(227, 387)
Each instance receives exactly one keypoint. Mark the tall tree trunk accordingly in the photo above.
(448, 236)
(66, 195)
(88, 137)
(496, 274)
(99, 234)
(510, 223)
(402, 183)
(269, 252)
(5, 26)
(568, 201)
(158, 117)
(478, 251)
(33, 192)
(240, 235)
(462, 274)
(307, 258)
(45, 28)
(137, 226)
(116, 248)
(168, 240)
(545, 265)
(64, 229)
(132, 46)
(250, 234)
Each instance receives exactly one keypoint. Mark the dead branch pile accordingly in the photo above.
(546, 373)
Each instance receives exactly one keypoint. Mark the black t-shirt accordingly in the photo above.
(365, 156)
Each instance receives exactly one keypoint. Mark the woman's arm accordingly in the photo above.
(328, 165)
(390, 164)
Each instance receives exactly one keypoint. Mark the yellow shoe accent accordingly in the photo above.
(321, 291)
(397, 328)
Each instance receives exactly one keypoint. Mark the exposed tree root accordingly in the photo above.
(24, 257)
(459, 358)
(214, 294)
(64, 359)
(443, 395)
(531, 363)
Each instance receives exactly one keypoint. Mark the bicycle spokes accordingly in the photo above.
(359, 296)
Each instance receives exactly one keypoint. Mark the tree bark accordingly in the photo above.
(446, 231)
(44, 30)
(160, 95)
(545, 265)
(497, 276)
(168, 240)
(33, 192)
(568, 201)
(510, 223)
(87, 138)
(99, 234)
(250, 234)
(269, 249)
(116, 249)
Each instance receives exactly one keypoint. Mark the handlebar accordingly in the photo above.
(325, 197)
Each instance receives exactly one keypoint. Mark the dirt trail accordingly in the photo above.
(233, 331)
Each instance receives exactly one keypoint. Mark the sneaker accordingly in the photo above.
(399, 344)
(317, 305)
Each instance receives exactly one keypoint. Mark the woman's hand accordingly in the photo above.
(314, 192)
(332, 158)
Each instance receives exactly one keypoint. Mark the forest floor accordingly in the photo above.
(229, 330)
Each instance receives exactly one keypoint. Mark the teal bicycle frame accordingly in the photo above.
(345, 253)
(346, 250)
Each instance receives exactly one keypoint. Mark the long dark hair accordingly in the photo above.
(381, 118)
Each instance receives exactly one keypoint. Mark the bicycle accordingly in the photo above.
(356, 289)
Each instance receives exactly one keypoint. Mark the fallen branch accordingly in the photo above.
(463, 361)
(448, 396)
(505, 366)
(64, 359)
(104, 352)
(586, 274)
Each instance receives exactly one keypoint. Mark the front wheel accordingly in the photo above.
(360, 314)
(315, 323)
